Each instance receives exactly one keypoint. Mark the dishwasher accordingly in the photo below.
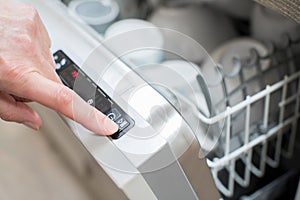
(206, 95)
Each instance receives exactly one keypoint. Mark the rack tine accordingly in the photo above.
(229, 190)
(259, 172)
(266, 109)
(246, 180)
(292, 138)
(275, 162)
(228, 130)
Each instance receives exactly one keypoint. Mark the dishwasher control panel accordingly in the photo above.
(74, 78)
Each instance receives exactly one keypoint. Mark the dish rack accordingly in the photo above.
(271, 138)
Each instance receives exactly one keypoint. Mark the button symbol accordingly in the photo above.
(74, 74)
(63, 61)
(55, 57)
(122, 123)
(111, 116)
(90, 101)
(114, 114)
(58, 66)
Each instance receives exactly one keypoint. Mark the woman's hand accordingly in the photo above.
(27, 73)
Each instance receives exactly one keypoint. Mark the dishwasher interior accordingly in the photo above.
(230, 68)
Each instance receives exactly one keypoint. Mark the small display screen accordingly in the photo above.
(69, 75)
(73, 77)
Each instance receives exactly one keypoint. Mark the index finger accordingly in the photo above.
(64, 100)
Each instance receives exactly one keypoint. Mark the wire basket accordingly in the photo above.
(261, 141)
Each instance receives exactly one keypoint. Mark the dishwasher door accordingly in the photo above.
(154, 156)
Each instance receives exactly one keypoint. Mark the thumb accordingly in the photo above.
(11, 110)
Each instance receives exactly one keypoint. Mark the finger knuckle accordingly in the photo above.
(30, 10)
(30, 20)
(27, 43)
(30, 26)
(14, 73)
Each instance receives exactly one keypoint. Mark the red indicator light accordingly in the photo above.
(74, 74)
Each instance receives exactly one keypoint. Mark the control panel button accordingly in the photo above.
(58, 66)
(63, 61)
(55, 57)
(113, 114)
(122, 123)
(83, 86)
(99, 96)
(66, 74)
(103, 105)
(90, 101)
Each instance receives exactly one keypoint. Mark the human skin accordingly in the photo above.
(27, 74)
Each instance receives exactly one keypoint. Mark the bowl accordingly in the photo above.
(137, 42)
(192, 31)
(99, 14)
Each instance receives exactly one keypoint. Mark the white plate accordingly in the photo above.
(224, 55)
(177, 81)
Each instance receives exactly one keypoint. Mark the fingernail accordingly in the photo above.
(31, 125)
(110, 126)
